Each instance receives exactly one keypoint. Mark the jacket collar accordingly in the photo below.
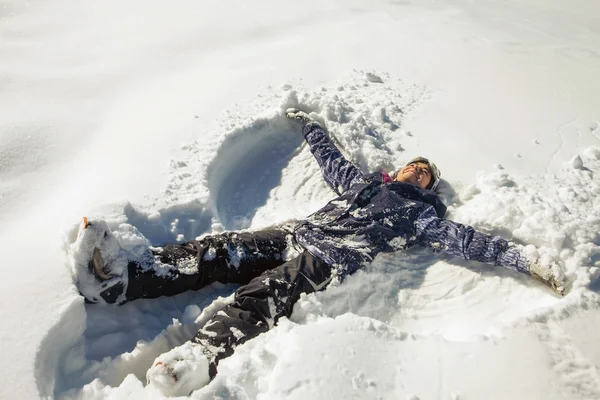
(410, 191)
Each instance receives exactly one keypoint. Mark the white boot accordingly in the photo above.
(179, 371)
(97, 263)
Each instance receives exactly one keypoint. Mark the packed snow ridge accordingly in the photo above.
(413, 325)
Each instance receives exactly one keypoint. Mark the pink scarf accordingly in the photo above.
(386, 178)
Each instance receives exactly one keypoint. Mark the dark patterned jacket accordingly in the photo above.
(370, 216)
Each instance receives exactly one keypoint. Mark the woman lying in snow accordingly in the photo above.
(373, 213)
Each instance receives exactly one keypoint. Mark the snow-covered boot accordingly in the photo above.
(180, 371)
(97, 263)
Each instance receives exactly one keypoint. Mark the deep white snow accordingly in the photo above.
(166, 120)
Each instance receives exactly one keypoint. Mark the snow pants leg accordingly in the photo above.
(232, 257)
(259, 304)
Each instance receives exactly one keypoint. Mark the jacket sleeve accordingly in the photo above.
(338, 172)
(465, 242)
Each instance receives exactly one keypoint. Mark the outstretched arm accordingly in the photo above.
(338, 172)
(465, 242)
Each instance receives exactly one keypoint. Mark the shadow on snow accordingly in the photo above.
(247, 167)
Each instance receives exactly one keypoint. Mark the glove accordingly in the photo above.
(298, 118)
(550, 274)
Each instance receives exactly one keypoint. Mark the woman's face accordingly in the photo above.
(416, 173)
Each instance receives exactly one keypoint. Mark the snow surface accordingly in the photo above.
(167, 120)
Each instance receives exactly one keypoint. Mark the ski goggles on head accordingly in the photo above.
(433, 169)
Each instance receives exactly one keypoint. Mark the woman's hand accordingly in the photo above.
(298, 118)
(546, 269)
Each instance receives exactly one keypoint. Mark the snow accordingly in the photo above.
(167, 123)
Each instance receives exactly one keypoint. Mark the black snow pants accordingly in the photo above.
(270, 286)
(231, 257)
(259, 304)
